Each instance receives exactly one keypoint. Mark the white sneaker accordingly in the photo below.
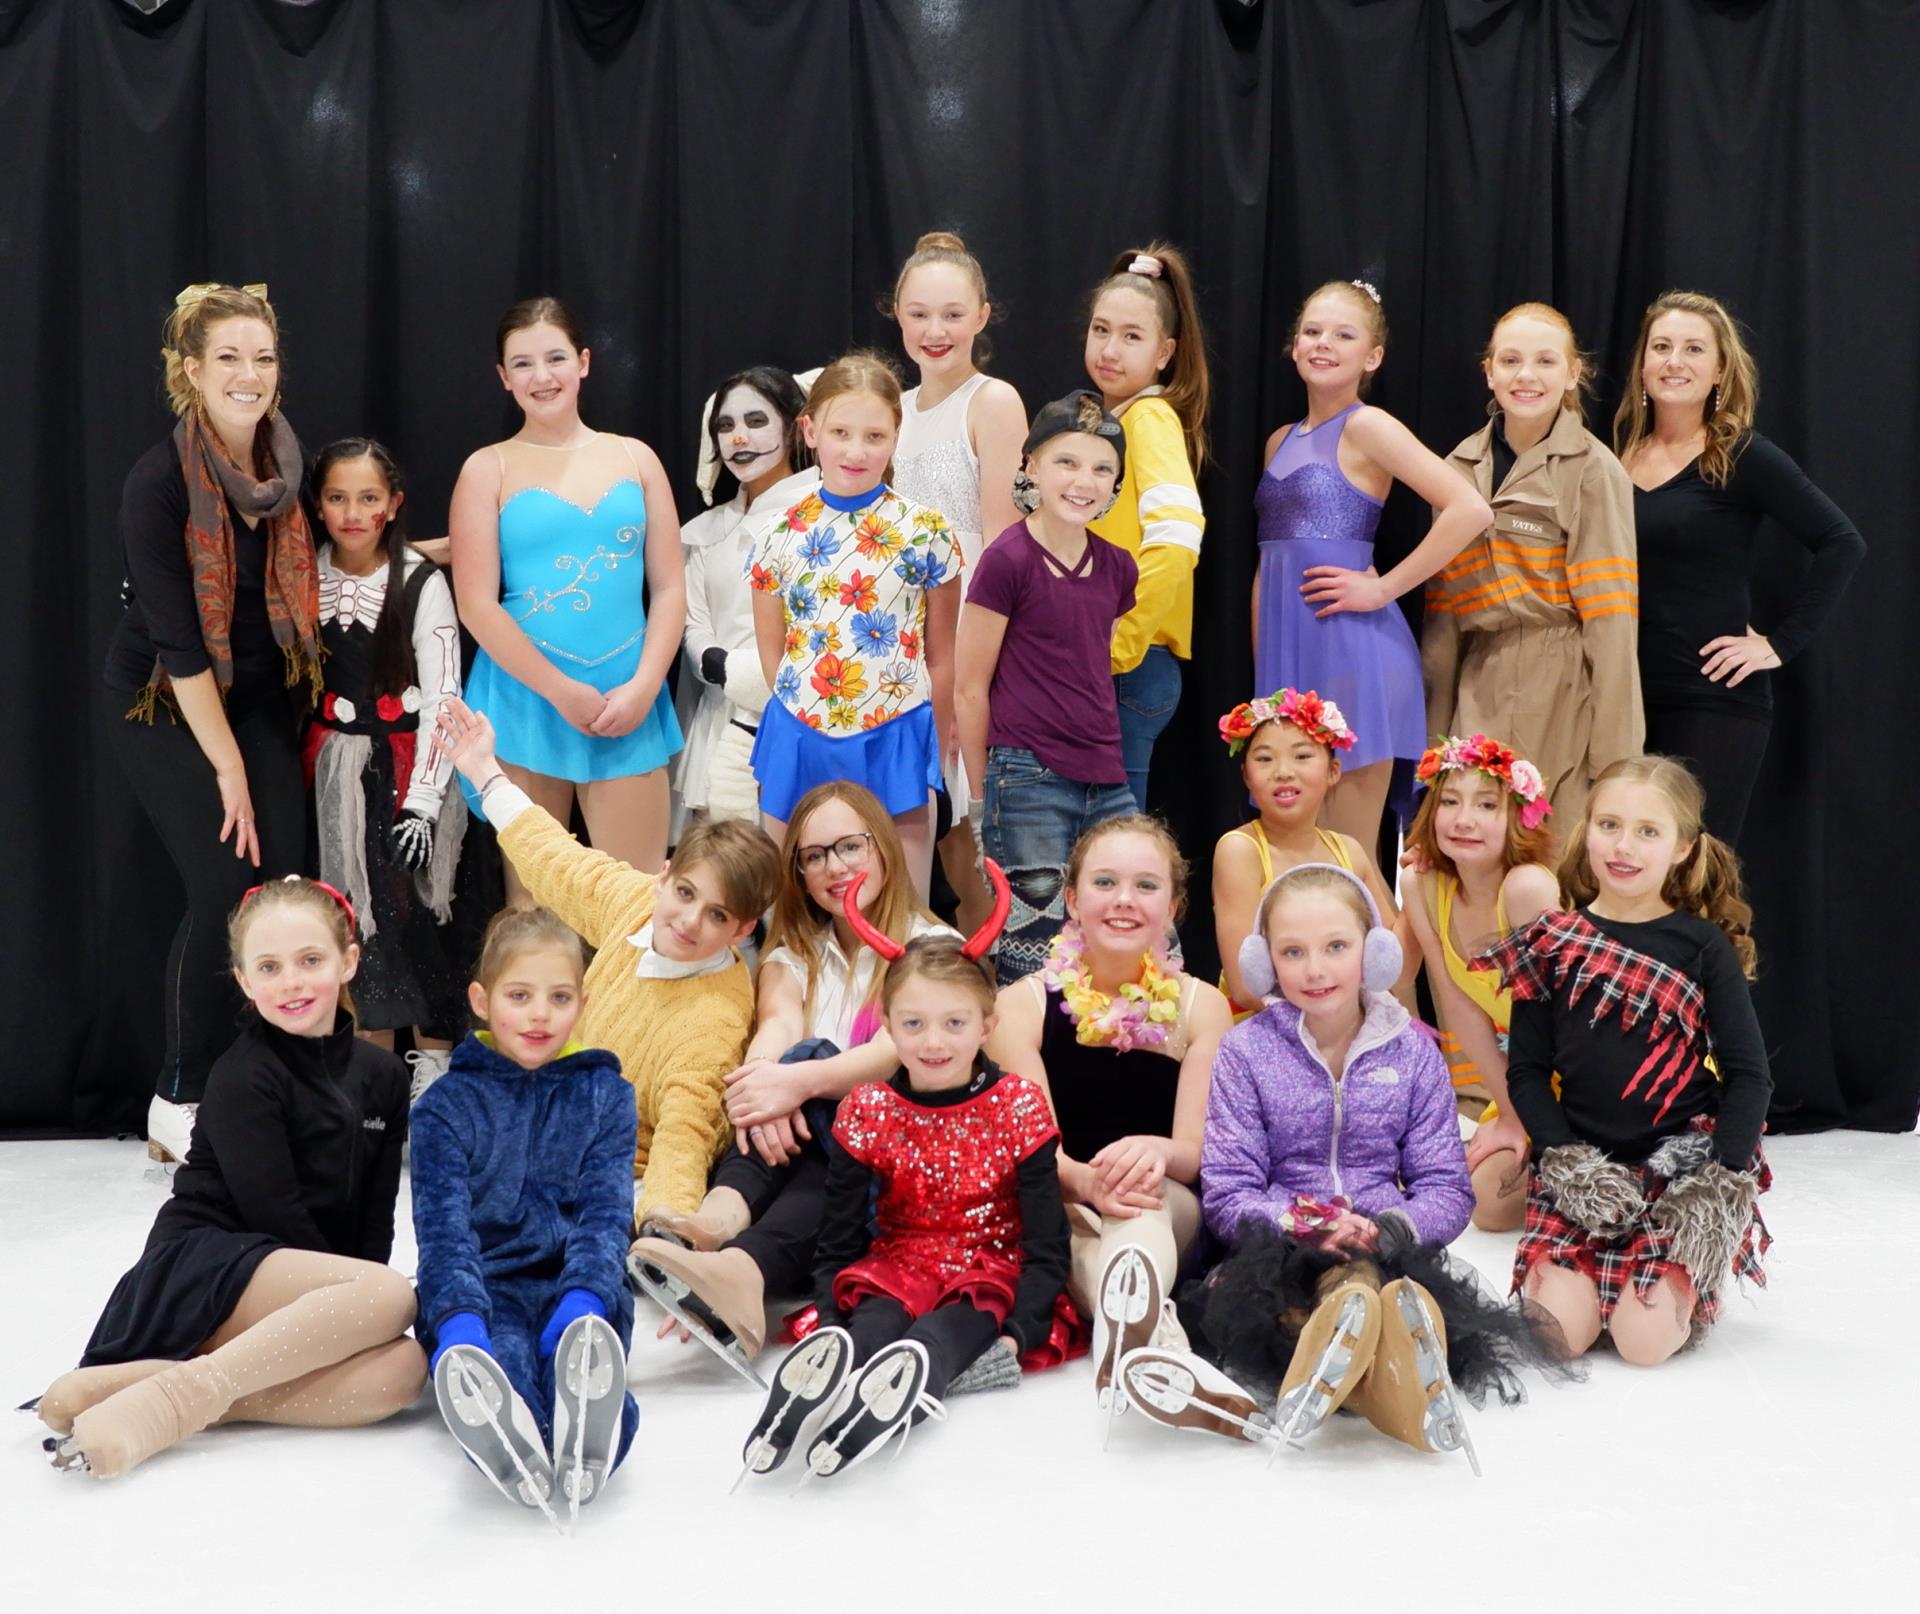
(169, 1130)
(428, 1066)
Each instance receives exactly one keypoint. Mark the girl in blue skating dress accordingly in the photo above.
(559, 534)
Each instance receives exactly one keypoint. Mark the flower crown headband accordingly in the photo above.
(1320, 720)
(1477, 753)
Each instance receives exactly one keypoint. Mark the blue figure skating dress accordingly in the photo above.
(573, 561)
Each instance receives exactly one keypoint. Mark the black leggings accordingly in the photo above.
(1723, 749)
(954, 1334)
(175, 786)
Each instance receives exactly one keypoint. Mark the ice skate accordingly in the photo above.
(1333, 1355)
(1128, 1312)
(726, 1318)
(1407, 1392)
(425, 1066)
(890, 1390)
(494, 1427)
(703, 1229)
(806, 1392)
(1185, 1391)
(589, 1406)
(169, 1130)
(118, 1434)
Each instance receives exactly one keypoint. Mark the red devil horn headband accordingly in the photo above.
(974, 947)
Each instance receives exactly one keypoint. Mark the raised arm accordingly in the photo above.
(1459, 515)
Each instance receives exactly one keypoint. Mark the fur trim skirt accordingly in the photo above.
(1642, 1255)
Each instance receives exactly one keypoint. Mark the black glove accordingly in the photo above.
(412, 837)
(713, 665)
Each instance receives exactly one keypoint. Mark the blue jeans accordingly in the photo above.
(1147, 697)
(1033, 817)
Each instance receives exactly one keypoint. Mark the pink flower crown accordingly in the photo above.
(1321, 721)
(1482, 755)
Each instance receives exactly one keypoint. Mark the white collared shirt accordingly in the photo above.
(656, 966)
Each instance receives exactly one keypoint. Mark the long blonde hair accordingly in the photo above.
(799, 923)
(1732, 404)
(1705, 882)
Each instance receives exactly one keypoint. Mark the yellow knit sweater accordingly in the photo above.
(676, 1039)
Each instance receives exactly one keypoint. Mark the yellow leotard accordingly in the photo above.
(1336, 853)
(1482, 987)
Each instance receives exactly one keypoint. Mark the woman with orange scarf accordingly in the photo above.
(214, 659)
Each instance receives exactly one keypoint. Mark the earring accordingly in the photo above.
(1646, 403)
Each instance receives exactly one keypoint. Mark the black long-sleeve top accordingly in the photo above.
(1597, 1060)
(1696, 557)
(851, 1185)
(298, 1138)
(159, 617)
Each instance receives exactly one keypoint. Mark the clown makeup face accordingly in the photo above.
(751, 436)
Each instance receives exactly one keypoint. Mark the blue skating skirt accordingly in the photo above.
(899, 761)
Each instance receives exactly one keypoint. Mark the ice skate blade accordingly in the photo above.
(1309, 1404)
(1169, 1392)
(670, 1295)
(881, 1406)
(1444, 1426)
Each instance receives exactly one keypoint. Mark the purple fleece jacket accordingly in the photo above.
(1384, 1135)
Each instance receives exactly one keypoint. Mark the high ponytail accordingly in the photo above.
(1185, 383)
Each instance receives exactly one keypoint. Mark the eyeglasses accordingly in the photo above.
(853, 851)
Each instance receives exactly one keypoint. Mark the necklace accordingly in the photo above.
(1139, 1015)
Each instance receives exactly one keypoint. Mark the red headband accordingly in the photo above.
(975, 946)
(353, 924)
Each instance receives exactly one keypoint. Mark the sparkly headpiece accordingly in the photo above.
(1482, 755)
(1368, 287)
(1321, 721)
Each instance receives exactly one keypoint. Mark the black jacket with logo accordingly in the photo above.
(298, 1138)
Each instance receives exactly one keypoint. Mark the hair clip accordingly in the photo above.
(1145, 263)
(201, 290)
(1368, 287)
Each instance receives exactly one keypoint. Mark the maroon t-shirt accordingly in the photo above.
(1052, 691)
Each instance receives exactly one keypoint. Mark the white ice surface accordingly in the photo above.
(1773, 1469)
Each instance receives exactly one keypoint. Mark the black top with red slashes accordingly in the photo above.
(1628, 1015)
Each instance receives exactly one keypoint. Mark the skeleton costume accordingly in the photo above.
(389, 828)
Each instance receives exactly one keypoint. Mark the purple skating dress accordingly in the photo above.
(1365, 662)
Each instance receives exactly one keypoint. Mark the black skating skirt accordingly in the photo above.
(176, 1295)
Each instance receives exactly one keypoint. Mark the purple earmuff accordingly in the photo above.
(1381, 958)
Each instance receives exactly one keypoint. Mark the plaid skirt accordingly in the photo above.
(1641, 1255)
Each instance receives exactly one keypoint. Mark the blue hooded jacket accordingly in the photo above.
(523, 1182)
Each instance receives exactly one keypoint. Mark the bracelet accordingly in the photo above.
(499, 778)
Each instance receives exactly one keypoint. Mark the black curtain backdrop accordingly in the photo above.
(717, 182)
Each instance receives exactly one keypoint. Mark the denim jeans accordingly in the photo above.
(1033, 817)
(1147, 697)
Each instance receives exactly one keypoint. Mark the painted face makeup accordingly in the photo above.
(750, 434)
(356, 504)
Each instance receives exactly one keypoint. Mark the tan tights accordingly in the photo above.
(1163, 1236)
(315, 1341)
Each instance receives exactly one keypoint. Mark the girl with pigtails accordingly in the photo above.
(1646, 1156)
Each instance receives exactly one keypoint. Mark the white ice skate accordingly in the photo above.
(1185, 1391)
(494, 1427)
(891, 1388)
(589, 1407)
(1129, 1312)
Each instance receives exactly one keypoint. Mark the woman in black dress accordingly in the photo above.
(1704, 480)
(214, 658)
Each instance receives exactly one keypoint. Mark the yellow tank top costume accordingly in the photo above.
(1336, 853)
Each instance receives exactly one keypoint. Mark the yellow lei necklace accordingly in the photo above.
(1139, 1015)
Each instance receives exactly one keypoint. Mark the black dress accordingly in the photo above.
(297, 1145)
(409, 973)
